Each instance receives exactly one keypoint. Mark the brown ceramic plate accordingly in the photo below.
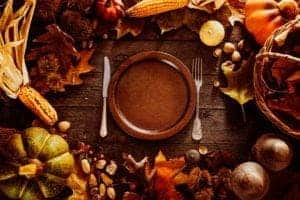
(152, 95)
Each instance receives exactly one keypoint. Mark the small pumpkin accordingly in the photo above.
(36, 166)
(262, 17)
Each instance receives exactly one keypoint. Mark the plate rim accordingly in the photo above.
(186, 74)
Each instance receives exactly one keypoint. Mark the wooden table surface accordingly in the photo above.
(223, 126)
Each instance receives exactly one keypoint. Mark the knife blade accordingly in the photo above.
(106, 80)
(106, 77)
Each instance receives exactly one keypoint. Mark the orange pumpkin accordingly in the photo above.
(262, 17)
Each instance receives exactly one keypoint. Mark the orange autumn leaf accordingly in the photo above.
(163, 179)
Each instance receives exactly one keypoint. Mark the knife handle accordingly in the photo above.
(103, 129)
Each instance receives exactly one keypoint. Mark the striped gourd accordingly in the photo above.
(147, 8)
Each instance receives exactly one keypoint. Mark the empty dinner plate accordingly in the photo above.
(152, 95)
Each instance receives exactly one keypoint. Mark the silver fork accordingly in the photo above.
(197, 66)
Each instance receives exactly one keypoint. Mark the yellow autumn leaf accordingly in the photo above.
(239, 82)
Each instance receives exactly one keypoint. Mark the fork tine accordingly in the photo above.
(198, 69)
(201, 68)
(193, 68)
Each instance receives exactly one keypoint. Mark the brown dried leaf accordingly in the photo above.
(293, 82)
(288, 104)
(51, 75)
(191, 18)
(132, 26)
(282, 69)
(73, 75)
(204, 194)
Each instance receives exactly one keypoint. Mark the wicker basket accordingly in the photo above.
(266, 55)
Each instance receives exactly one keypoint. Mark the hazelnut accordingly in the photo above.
(64, 126)
(217, 52)
(228, 47)
(236, 56)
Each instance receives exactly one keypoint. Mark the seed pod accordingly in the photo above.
(111, 193)
(85, 165)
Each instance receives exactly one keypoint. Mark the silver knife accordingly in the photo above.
(106, 79)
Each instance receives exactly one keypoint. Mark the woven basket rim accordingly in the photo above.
(259, 85)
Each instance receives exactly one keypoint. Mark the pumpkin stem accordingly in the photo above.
(288, 8)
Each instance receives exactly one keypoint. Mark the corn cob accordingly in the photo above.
(38, 105)
(147, 8)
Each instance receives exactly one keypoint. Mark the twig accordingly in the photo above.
(243, 113)
(277, 55)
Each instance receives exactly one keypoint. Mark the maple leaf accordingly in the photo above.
(163, 179)
(129, 26)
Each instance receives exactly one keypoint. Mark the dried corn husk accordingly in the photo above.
(14, 78)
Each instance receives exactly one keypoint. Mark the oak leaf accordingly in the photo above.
(239, 85)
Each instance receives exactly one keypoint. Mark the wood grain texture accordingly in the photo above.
(223, 127)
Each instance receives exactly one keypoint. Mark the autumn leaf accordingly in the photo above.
(191, 18)
(288, 104)
(73, 75)
(163, 179)
(236, 8)
(239, 84)
(129, 26)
